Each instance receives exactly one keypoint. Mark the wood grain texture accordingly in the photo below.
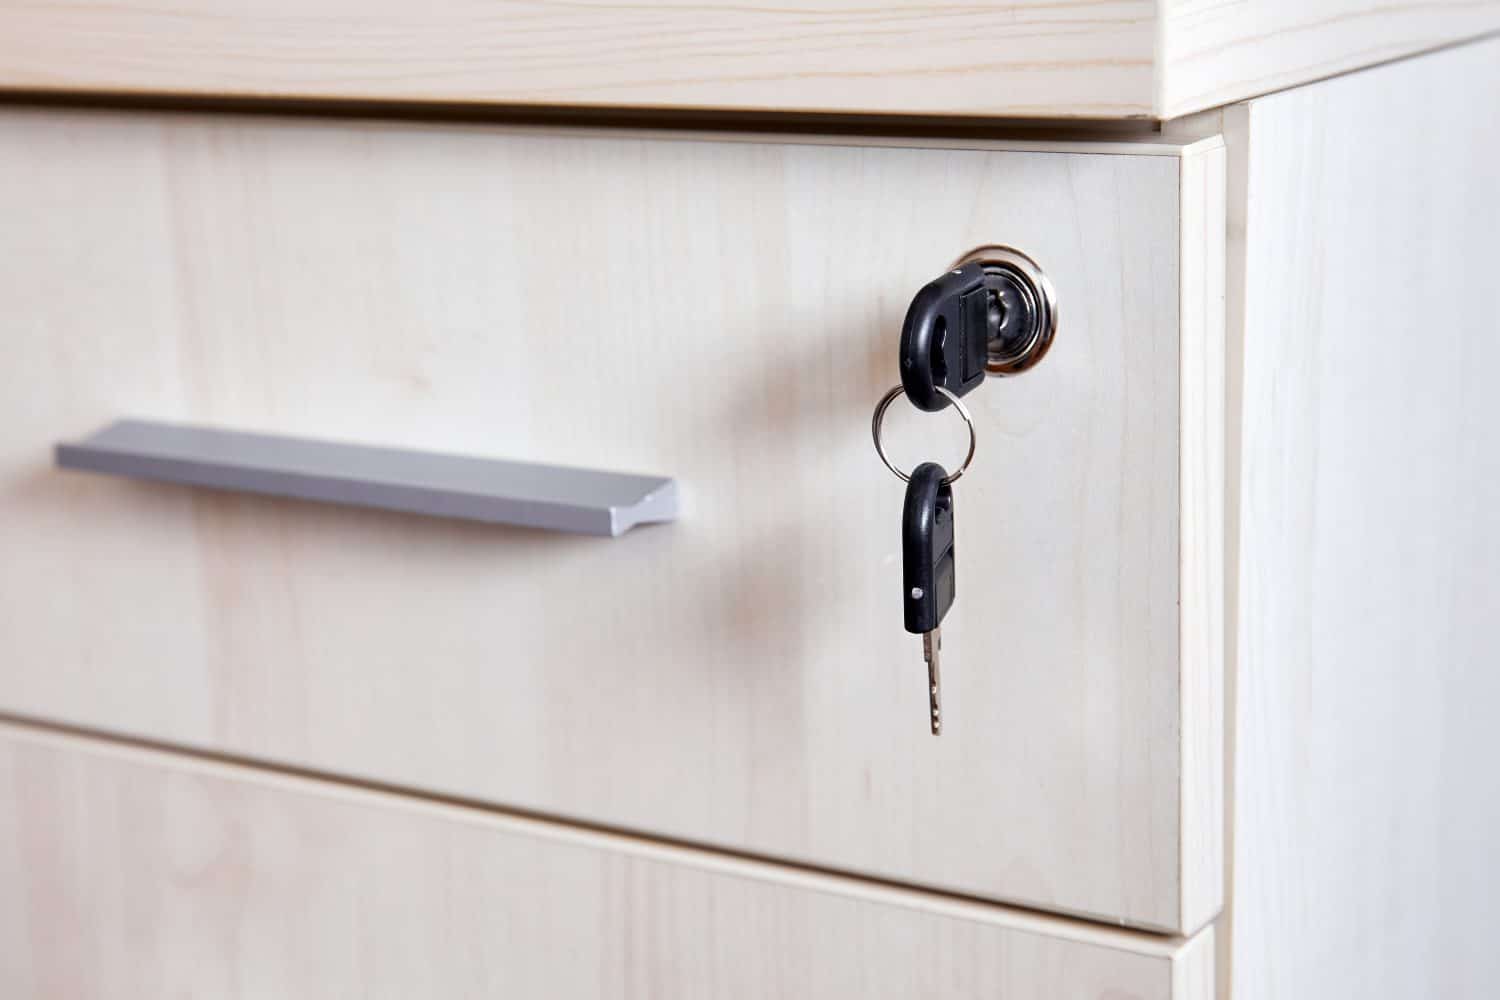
(1214, 53)
(1033, 58)
(726, 313)
(1110, 59)
(1201, 445)
(1194, 969)
(1367, 802)
(132, 873)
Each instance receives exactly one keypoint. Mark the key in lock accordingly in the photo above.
(994, 312)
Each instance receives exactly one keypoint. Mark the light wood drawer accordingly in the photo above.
(130, 873)
(722, 311)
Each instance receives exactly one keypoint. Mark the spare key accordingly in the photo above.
(927, 557)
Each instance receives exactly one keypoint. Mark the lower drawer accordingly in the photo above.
(136, 873)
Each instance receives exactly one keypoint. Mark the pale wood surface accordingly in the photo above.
(725, 313)
(132, 873)
(1033, 58)
(1367, 799)
(1201, 444)
(1194, 968)
(1214, 53)
(1112, 59)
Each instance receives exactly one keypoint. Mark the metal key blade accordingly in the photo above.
(932, 645)
(927, 570)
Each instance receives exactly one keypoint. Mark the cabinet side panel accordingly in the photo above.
(1367, 803)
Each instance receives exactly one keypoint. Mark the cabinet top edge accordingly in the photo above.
(1118, 60)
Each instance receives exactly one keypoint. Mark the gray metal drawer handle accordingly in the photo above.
(557, 498)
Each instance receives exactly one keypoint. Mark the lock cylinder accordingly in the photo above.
(1022, 308)
(994, 312)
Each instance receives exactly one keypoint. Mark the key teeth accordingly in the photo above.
(932, 643)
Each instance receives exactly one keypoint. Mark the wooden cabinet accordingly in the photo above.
(724, 312)
(252, 745)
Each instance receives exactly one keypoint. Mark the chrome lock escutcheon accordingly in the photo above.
(994, 312)
(1020, 291)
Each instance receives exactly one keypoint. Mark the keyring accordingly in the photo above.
(879, 419)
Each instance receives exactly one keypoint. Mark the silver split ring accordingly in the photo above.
(879, 419)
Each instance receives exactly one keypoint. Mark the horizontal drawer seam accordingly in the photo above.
(182, 758)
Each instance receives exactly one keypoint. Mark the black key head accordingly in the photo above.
(927, 548)
(945, 338)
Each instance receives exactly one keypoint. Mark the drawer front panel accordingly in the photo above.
(722, 312)
(136, 874)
